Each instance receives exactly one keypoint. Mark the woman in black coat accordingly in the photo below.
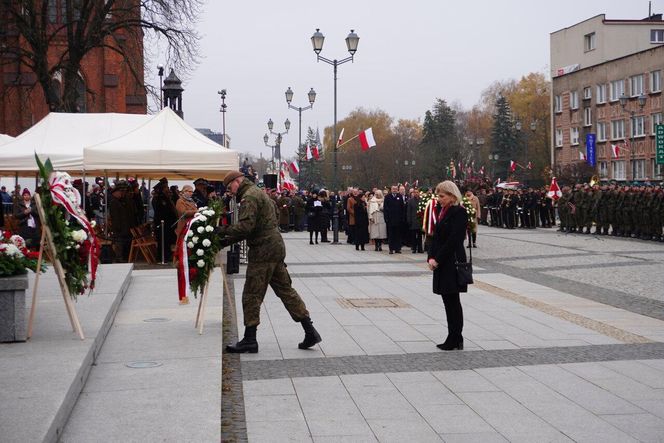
(447, 248)
(361, 222)
(313, 212)
(325, 214)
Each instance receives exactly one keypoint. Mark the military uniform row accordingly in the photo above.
(520, 209)
(625, 211)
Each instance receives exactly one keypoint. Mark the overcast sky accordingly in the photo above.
(410, 53)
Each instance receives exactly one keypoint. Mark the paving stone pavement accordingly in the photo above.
(563, 342)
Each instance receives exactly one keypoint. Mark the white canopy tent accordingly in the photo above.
(5, 139)
(61, 137)
(164, 146)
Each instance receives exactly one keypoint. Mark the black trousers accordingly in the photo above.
(454, 313)
(394, 237)
(416, 240)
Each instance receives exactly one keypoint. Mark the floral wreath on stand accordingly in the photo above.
(197, 249)
(76, 245)
(472, 219)
(15, 257)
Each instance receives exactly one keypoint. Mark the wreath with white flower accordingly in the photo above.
(198, 249)
(15, 258)
(470, 209)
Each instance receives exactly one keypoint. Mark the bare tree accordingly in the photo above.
(51, 38)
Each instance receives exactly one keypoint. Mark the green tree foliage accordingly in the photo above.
(440, 141)
(503, 137)
(310, 176)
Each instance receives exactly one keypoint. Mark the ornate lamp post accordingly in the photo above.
(289, 99)
(632, 127)
(352, 41)
(160, 72)
(277, 146)
(493, 158)
(222, 93)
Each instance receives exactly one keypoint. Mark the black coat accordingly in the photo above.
(446, 248)
(394, 210)
(361, 223)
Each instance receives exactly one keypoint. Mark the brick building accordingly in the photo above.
(106, 82)
(607, 81)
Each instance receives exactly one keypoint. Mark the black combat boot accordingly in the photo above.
(247, 344)
(311, 335)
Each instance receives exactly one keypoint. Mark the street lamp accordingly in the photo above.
(289, 99)
(160, 72)
(632, 113)
(493, 158)
(352, 41)
(277, 146)
(222, 93)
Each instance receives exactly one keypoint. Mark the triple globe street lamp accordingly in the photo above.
(352, 41)
(276, 148)
(289, 98)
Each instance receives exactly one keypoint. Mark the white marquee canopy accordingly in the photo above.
(5, 139)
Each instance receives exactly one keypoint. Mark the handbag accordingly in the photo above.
(465, 271)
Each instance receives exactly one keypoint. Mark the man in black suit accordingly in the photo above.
(395, 217)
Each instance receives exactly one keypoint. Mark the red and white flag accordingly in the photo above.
(315, 152)
(529, 165)
(582, 155)
(282, 175)
(367, 139)
(512, 166)
(307, 154)
(341, 137)
(295, 167)
(482, 170)
(615, 151)
(554, 191)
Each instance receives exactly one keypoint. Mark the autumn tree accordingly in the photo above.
(53, 37)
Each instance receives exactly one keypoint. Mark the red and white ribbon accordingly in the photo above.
(183, 258)
(65, 195)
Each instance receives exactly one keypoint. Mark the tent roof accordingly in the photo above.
(5, 139)
(61, 137)
(163, 146)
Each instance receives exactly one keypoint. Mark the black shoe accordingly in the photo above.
(450, 346)
(474, 245)
(311, 336)
(380, 248)
(247, 345)
(391, 252)
(397, 252)
(362, 248)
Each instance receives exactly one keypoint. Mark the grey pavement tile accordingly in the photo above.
(373, 340)
(654, 407)
(614, 382)
(484, 437)
(278, 431)
(367, 438)
(454, 419)
(582, 392)
(643, 427)
(510, 418)
(278, 386)
(465, 381)
(275, 408)
(639, 372)
(411, 429)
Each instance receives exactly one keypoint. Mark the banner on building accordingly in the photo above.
(591, 158)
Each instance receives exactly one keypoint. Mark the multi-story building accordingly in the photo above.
(607, 81)
(107, 81)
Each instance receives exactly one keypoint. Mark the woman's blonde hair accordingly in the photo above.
(378, 194)
(187, 188)
(448, 187)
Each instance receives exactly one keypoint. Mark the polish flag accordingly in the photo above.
(282, 175)
(512, 166)
(582, 155)
(315, 152)
(294, 167)
(341, 137)
(482, 170)
(284, 165)
(529, 166)
(615, 151)
(307, 154)
(554, 190)
(367, 139)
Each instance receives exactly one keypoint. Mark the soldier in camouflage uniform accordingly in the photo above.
(658, 215)
(257, 225)
(563, 210)
(601, 198)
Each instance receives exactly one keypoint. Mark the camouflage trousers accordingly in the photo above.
(259, 276)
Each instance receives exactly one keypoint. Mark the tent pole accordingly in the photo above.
(149, 202)
(163, 262)
(83, 196)
(106, 204)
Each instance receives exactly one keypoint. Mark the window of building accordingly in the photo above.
(617, 89)
(601, 131)
(587, 93)
(656, 119)
(618, 170)
(603, 170)
(657, 36)
(589, 42)
(618, 129)
(636, 85)
(638, 126)
(574, 99)
(574, 136)
(639, 169)
(559, 137)
(657, 170)
(601, 93)
(587, 117)
(656, 81)
(557, 103)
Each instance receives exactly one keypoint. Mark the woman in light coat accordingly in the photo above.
(377, 226)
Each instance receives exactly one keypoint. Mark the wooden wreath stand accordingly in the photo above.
(200, 315)
(46, 246)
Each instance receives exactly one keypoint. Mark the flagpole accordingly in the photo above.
(348, 141)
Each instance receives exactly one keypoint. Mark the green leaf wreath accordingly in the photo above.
(203, 245)
(471, 212)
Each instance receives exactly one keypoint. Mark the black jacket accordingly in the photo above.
(394, 209)
(447, 248)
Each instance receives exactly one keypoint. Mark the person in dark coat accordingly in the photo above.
(413, 222)
(394, 210)
(361, 236)
(447, 248)
(29, 226)
(123, 218)
(164, 210)
(313, 212)
(325, 214)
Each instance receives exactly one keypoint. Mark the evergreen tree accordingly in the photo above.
(440, 141)
(503, 137)
(310, 176)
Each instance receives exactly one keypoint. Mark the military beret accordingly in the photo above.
(231, 176)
